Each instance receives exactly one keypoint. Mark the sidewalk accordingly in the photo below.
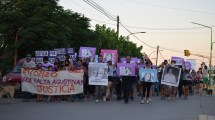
(205, 117)
(207, 107)
(213, 88)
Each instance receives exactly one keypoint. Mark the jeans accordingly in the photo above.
(100, 91)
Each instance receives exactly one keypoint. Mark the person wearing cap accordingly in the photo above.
(28, 64)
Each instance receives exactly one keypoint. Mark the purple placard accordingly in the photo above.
(154, 66)
(141, 66)
(178, 60)
(138, 60)
(87, 52)
(125, 69)
(188, 65)
(123, 60)
(133, 60)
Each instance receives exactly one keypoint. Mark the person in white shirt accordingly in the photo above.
(28, 64)
(111, 69)
(205, 77)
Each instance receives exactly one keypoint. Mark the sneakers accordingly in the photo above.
(147, 101)
(143, 102)
(104, 99)
(97, 100)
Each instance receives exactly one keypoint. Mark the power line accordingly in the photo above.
(104, 10)
(191, 28)
(166, 29)
(136, 36)
(99, 9)
(161, 55)
(103, 22)
(167, 7)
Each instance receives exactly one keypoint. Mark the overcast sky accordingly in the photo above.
(167, 23)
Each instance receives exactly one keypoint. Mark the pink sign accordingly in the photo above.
(109, 55)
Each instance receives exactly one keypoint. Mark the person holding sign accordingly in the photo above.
(98, 74)
(146, 84)
(28, 64)
(79, 66)
(46, 63)
(127, 83)
(111, 69)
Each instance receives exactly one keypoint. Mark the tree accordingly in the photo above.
(30, 25)
(39, 25)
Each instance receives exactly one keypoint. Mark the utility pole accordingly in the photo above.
(117, 27)
(157, 55)
(16, 43)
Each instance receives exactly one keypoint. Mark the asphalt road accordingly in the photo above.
(112, 110)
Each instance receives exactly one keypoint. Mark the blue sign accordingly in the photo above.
(148, 75)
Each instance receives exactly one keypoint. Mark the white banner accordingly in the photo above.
(98, 74)
(52, 83)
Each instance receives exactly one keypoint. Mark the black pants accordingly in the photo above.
(126, 86)
(118, 87)
(180, 92)
(27, 95)
(146, 89)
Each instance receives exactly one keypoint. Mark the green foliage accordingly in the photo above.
(106, 38)
(44, 25)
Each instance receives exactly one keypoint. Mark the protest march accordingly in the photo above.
(64, 75)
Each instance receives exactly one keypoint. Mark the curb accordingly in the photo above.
(205, 117)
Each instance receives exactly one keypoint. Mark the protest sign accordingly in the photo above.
(148, 75)
(125, 69)
(98, 73)
(109, 55)
(52, 83)
(178, 60)
(87, 52)
(171, 76)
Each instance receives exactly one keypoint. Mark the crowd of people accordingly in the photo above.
(125, 87)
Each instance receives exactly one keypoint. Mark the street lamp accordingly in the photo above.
(134, 33)
(210, 49)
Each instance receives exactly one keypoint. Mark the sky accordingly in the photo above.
(167, 23)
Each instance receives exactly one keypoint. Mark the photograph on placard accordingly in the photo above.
(171, 76)
(87, 53)
(148, 75)
(108, 57)
(98, 73)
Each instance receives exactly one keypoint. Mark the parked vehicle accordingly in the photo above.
(14, 76)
